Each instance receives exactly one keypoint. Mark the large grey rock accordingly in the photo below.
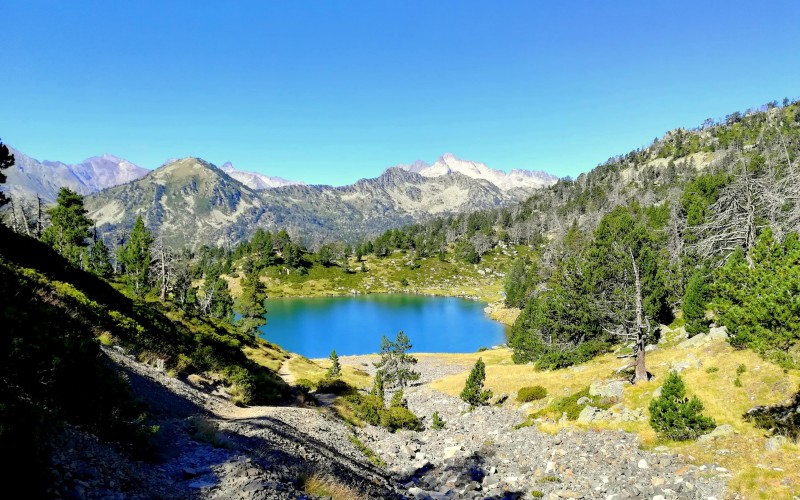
(588, 414)
(691, 361)
(719, 432)
(774, 443)
(611, 390)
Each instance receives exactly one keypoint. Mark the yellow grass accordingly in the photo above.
(762, 384)
(326, 486)
(300, 367)
(267, 355)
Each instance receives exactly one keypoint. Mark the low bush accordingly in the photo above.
(335, 386)
(532, 393)
(397, 417)
(436, 422)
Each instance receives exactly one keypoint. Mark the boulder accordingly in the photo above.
(720, 431)
(691, 361)
(610, 390)
(588, 414)
(774, 443)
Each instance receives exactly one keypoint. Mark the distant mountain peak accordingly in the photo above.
(254, 180)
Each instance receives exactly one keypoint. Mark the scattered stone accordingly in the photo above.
(720, 431)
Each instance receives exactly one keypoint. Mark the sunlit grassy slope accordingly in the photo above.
(756, 472)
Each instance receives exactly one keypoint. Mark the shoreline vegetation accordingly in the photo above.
(482, 282)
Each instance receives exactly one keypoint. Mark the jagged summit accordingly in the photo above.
(256, 181)
(449, 163)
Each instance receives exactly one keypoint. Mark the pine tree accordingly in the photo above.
(135, 257)
(674, 416)
(473, 392)
(6, 161)
(69, 227)
(695, 299)
(100, 259)
(395, 361)
(516, 284)
(335, 371)
(250, 305)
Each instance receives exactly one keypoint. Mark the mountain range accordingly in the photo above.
(192, 202)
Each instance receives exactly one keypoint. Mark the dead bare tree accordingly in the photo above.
(162, 266)
(631, 324)
(741, 211)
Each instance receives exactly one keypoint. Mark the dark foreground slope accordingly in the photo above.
(86, 421)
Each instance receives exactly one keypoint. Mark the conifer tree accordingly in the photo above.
(6, 161)
(135, 257)
(99, 259)
(69, 228)
(250, 305)
(395, 361)
(473, 392)
(674, 416)
(335, 371)
(694, 303)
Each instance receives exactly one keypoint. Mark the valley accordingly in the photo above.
(651, 348)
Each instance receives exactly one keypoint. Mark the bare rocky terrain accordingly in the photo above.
(209, 448)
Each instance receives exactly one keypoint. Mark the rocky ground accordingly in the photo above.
(208, 448)
(480, 454)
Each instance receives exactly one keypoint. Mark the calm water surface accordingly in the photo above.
(355, 324)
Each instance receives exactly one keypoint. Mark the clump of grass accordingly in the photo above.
(741, 369)
(105, 339)
(712, 369)
(532, 393)
(207, 431)
(548, 479)
(537, 494)
(367, 452)
(737, 382)
(326, 486)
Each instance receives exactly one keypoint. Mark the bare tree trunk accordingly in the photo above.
(642, 327)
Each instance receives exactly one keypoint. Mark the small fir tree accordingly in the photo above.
(335, 371)
(436, 421)
(473, 392)
(674, 416)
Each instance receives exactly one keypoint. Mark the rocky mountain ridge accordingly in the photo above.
(30, 177)
(192, 202)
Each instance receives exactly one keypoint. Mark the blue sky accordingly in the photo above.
(332, 91)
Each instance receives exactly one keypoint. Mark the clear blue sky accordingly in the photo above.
(332, 91)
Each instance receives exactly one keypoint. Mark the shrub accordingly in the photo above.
(396, 418)
(368, 408)
(674, 416)
(533, 393)
(741, 369)
(334, 386)
(694, 303)
(305, 384)
(712, 369)
(473, 392)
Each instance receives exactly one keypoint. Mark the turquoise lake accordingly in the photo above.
(354, 324)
